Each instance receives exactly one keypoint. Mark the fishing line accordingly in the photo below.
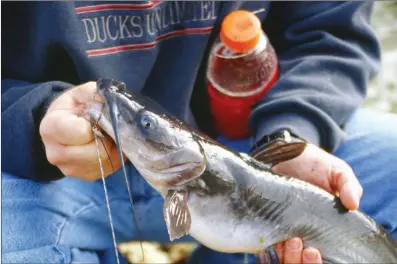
(113, 117)
(107, 153)
(131, 202)
(96, 134)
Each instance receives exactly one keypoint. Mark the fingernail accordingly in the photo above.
(350, 197)
(293, 244)
(310, 255)
(360, 193)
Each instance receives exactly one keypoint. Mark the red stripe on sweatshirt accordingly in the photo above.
(94, 8)
(129, 47)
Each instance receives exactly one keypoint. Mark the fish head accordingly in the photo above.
(162, 148)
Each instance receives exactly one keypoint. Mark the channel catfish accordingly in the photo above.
(229, 201)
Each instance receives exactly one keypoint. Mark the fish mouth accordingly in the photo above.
(172, 168)
(95, 110)
(175, 175)
(178, 168)
(168, 160)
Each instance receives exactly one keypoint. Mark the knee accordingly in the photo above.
(373, 123)
(52, 254)
(371, 150)
(375, 132)
(26, 221)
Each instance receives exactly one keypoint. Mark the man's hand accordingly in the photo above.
(69, 140)
(331, 174)
(292, 252)
(328, 172)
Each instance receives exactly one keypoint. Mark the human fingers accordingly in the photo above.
(64, 121)
(66, 128)
(84, 93)
(326, 171)
(311, 255)
(312, 166)
(280, 251)
(293, 251)
(82, 161)
(76, 96)
(345, 183)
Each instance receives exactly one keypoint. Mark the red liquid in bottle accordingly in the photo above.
(236, 81)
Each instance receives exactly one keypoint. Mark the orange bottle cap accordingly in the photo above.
(240, 31)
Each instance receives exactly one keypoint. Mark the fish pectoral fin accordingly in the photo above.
(177, 214)
(279, 151)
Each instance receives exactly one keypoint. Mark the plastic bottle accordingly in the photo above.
(242, 67)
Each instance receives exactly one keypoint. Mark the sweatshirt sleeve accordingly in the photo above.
(327, 53)
(22, 108)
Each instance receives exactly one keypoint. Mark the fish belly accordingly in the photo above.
(215, 226)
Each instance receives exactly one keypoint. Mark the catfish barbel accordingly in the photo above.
(226, 200)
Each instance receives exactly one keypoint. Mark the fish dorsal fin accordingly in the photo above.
(278, 151)
(177, 214)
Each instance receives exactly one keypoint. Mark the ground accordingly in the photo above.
(382, 95)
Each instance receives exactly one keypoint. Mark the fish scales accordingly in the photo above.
(300, 216)
(227, 200)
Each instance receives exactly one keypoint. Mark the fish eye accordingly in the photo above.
(148, 122)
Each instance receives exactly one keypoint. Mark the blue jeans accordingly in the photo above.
(66, 221)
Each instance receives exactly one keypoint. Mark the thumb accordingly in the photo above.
(75, 99)
(82, 94)
(346, 184)
(64, 122)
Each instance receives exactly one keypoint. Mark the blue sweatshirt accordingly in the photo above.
(327, 53)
